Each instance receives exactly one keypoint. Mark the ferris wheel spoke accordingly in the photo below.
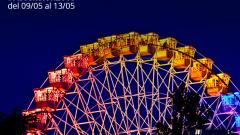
(169, 88)
(118, 108)
(107, 115)
(230, 125)
(78, 101)
(111, 99)
(221, 122)
(91, 120)
(144, 94)
(163, 83)
(146, 77)
(215, 111)
(54, 124)
(77, 109)
(112, 120)
(115, 84)
(89, 95)
(65, 125)
(72, 118)
(97, 103)
(127, 99)
(64, 115)
(211, 105)
(140, 88)
(85, 112)
(178, 80)
(128, 94)
(100, 107)
(119, 97)
(62, 121)
(197, 89)
(154, 90)
(77, 127)
(161, 86)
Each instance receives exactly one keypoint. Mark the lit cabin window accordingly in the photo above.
(152, 38)
(217, 84)
(47, 97)
(89, 48)
(164, 48)
(105, 46)
(200, 68)
(107, 41)
(228, 102)
(133, 38)
(77, 64)
(36, 119)
(143, 47)
(47, 94)
(63, 75)
(60, 78)
(183, 56)
(125, 44)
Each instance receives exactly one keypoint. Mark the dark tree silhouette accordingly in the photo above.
(186, 113)
(13, 124)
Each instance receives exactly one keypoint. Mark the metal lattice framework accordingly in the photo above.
(128, 95)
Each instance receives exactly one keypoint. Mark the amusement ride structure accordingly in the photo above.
(122, 84)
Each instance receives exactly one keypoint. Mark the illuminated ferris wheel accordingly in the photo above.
(122, 84)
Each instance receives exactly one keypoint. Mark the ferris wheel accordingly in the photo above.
(122, 84)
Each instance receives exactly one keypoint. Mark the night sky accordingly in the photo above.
(33, 42)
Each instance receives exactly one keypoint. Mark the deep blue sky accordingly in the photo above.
(31, 43)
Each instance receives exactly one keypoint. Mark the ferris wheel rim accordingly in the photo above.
(135, 61)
